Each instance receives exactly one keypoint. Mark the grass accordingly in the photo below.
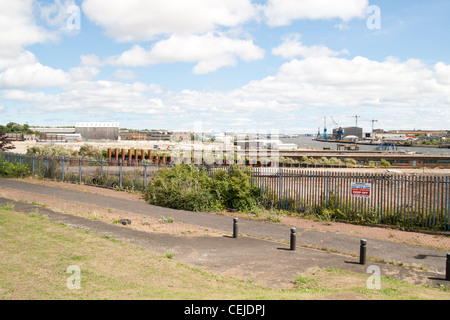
(36, 254)
(163, 219)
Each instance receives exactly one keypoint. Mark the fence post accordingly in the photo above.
(101, 172)
(32, 161)
(446, 203)
(47, 168)
(280, 178)
(79, 170)
(382, 197)
(62, 168)
(145, 176)
(120, 173)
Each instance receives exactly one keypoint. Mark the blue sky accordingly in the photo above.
(235, 65)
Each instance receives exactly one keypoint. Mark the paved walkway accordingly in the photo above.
(260, 252)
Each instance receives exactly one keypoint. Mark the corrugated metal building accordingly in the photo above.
(98, 130)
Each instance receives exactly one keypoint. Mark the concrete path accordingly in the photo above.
(260, 252)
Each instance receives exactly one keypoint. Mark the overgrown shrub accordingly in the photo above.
(11, 170)
(90, 151)
(51, 150)
(86, 151)
(187, 187)
(385, 163)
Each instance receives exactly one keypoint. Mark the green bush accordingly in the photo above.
(187, 187)
(51, 150)
(385, 163)
(11, 170)
(90, 151)
(86, 151)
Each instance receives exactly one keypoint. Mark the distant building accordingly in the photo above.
(347, 131)
(419, 132)
(264, 144)
(98, 130)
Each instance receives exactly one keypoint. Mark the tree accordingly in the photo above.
(4, 143)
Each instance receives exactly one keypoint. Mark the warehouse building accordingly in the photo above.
(98, 130)
(341, 133)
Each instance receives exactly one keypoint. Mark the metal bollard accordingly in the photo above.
(293, 238)
(235, 227)
(362, 251)
(447, 269)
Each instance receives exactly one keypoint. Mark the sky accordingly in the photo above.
(288, 66)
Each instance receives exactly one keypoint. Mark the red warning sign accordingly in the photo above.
(360, 189)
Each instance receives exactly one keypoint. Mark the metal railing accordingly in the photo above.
(419, 201)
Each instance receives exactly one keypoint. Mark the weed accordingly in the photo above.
(9, 207)
(272, 218)
(170, 254)
(39, 204)
(163, 219)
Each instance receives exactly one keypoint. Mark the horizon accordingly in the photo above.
(274, 132)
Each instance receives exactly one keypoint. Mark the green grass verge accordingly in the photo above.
(36, 254)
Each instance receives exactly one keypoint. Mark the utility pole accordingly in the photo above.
(356, 128)
(373, 121)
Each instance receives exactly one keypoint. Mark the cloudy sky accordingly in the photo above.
(239, 65)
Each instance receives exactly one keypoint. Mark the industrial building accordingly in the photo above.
(98, 130)
(341, 133)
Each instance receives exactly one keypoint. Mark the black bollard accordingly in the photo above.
(235, 227)
(447, 269)
(362, 251)
(293, 238)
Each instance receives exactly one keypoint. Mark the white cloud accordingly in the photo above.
(19, 68)
(83, 73)
(125, 74)
(32, 76)
(209, 51)
(91, 60)
(18, 28)
(293, 48)
(95, 98)
(142, 20)
(394, 91)
(21, 58)
(284, 12)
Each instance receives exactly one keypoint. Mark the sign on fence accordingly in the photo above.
(361, 189)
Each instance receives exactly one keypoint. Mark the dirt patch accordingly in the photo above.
(85, 188)
(163, 224)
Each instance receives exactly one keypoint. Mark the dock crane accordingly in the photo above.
(339, 131)
(334, 122)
